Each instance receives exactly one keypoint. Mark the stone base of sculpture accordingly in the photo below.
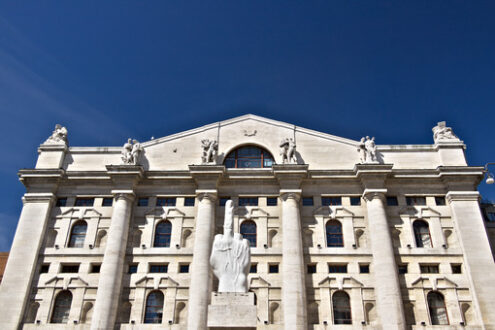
(232, 310)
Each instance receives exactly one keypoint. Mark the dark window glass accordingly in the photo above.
(490, 216)
(162, 234)
(249, 157)
(132, 269)
(159, 268)
(248, 201)
(142, 201)
(335, 237)
(356, 200)
(61, 307)
(223, 200)
(154, 308)
(327, 201)
(62, 201)
(248, 231)
(78, 234)
(44, 268)
(69, 269)
(85, 201)
(429, 269)
(107, 201)
(271, 201)
(253, 269)
(422, 233)
(184, 268)
(402, 269)
(341, 308)
(189, 201)
(335, 268)
(311, 269)
(273, 268)
(437, 309)
(392, 201)
(440, 200)
(165, 201)
(364, 269)
(416, 200)
(307, 201)
(95, 268)
(456, 268)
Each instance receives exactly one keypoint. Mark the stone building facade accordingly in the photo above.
(344, 234)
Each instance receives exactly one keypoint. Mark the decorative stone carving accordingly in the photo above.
(210, 150)
(367, 151)
(288, 151)
(230, 256)
(442, 132)
(250, 133)
(131, 152)
(59, 136)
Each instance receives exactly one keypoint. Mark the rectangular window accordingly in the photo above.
(307, 201)
(273, 268)
(312, 269)
(402, 269)
(62, 201)
(85, 201)
(165, 201)
(248, 201)
(44, 268)
(490, 216)
(223, 200)
(184, 268)
(356, 200)
(70, 269)
(132, 269)
(337, 268)
(364, 268)
(189, 201)
(440, 200)
(143, 201)
(95, 268)
(392, 201)
(429, 269)
(162, 268)
(327, 201)
(107, 201)
(456, 268)
(271, 201)
(253, 269)
(416, 200)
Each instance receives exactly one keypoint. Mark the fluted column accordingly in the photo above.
(199, 289)
(112, 268)
(387, 288)
(293, 284)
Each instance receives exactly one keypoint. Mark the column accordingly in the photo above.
(293, 284)
(199, 289)
(21, 265)
(387, 288)
(112, 268)
(478, 260)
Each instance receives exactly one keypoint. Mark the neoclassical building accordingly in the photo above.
(344, 234)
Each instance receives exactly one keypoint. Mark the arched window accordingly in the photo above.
(249, 157)
(341, 308)
(78, 234)
(438, 311)
(162, 234)
(422, 233)
(154, 308)
(61, 308)
(335, 238)
(248, 231)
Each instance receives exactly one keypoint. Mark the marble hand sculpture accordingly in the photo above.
(230, 256)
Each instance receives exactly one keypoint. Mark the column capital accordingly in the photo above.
(209, 194)
(462, 196)
(286, 194)
(370, 194)
(124, 194)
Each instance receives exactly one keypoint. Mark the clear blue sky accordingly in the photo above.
(109, 70)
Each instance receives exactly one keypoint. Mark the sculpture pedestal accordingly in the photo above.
(231, 310)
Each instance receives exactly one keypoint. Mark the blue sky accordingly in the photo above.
(110, 70)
